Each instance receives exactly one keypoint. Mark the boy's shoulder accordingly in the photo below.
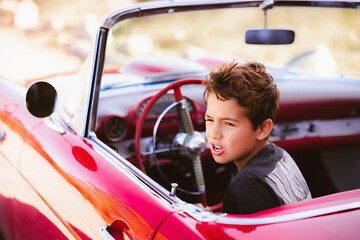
(263, 163)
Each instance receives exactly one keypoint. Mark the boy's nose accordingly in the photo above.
(215, 132)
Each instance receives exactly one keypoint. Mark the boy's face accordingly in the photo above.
(229, 132)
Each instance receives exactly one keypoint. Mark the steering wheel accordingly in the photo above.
(190, 142)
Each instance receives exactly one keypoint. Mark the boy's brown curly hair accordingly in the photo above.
(250, 85)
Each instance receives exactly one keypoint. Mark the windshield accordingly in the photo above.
(328, 48)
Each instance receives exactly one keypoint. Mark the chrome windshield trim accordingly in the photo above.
(171, 6)
(164, 7)
(119, 15)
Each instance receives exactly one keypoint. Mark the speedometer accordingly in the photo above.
(115, 128)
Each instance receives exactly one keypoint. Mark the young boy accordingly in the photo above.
(242, 101)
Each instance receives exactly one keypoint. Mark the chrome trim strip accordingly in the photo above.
(315, 128)
(97, 71)
(2, 135)
(164, 7)
(119, 15)
(288, 217)
(105, 234)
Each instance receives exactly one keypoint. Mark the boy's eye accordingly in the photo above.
(229, 124)
(208, 120)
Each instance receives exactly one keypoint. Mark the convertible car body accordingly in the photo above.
(121, 153)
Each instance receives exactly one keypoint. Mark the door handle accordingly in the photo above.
(105, 234)
(117, 230)
(2, 135)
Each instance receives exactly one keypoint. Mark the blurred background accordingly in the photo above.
(39, 38)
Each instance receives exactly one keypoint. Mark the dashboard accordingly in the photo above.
(302, 123)
(117, 130)
(119, 123)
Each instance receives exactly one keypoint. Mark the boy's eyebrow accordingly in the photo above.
(230, 119)
(224, 118)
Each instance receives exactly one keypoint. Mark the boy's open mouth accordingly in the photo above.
(216, 149)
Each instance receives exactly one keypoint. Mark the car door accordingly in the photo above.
(23, 213)
(86, 190)
(12, 134)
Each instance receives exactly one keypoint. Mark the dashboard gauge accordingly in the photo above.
(161, 104)
(115, 128)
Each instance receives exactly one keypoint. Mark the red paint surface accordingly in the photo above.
(50, 164)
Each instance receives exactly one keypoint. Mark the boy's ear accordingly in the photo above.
(264, 129)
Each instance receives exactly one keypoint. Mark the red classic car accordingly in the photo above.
(118, 151)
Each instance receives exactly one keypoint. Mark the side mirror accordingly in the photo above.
(269, 36)
(41, 99)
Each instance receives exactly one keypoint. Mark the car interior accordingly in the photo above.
(318, 121)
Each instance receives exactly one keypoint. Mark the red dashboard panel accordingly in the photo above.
(317, 109)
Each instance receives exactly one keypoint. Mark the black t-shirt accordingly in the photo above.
(270, 179)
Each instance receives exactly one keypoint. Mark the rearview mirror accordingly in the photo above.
(269, 36)
(41, 99)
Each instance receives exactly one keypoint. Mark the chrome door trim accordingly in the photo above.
(289, 217)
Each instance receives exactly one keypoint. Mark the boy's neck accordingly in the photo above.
(240, 164)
